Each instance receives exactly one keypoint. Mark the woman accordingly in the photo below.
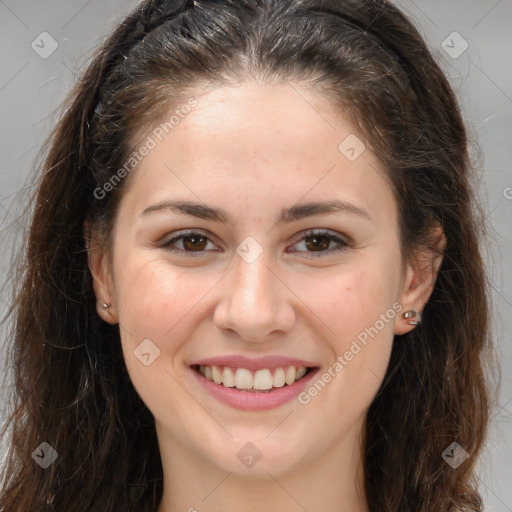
(253, 278)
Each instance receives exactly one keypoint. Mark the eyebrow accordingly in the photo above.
(294, 213)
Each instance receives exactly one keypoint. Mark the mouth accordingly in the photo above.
(255, 389)
(264, 380)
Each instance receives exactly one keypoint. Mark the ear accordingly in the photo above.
(420, 277)
(99, 266)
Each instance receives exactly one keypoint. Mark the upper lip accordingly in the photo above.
(239, 361)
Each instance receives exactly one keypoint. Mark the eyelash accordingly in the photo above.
(343, 244)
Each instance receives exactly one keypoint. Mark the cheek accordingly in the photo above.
(358, 306)
(350, 300)
(158, 302)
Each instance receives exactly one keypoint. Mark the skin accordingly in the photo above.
(253, 151)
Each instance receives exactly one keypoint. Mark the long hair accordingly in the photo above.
(72, 389)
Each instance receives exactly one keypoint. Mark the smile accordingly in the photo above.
(253, 389)
(263, 380)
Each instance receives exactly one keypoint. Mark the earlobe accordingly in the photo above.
(101, 278)
(419, 282)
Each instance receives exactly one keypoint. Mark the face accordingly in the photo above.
(250, 240)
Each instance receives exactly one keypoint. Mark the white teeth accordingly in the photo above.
(279, 378)
(217, 375)
(243, 379)
(260, 380)
(301, 371)
(290, 375)
(228, 379)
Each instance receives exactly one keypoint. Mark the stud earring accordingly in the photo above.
(106, 306)
(411, 314)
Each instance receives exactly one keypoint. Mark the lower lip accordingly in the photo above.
(254, 401)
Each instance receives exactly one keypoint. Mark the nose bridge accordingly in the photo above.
(252, 285)
(253, 304)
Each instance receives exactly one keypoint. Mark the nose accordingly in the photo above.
(255, 303)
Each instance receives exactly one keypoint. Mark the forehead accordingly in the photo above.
(272, 142)
(270, 119)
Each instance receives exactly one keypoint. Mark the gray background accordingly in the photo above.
(32, 87)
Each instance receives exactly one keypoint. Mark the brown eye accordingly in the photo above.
(194, 243)
(189, 242)
(318, 242)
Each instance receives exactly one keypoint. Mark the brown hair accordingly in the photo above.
(72, 387)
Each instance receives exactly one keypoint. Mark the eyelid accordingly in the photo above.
(182, 234)
(343, 241)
